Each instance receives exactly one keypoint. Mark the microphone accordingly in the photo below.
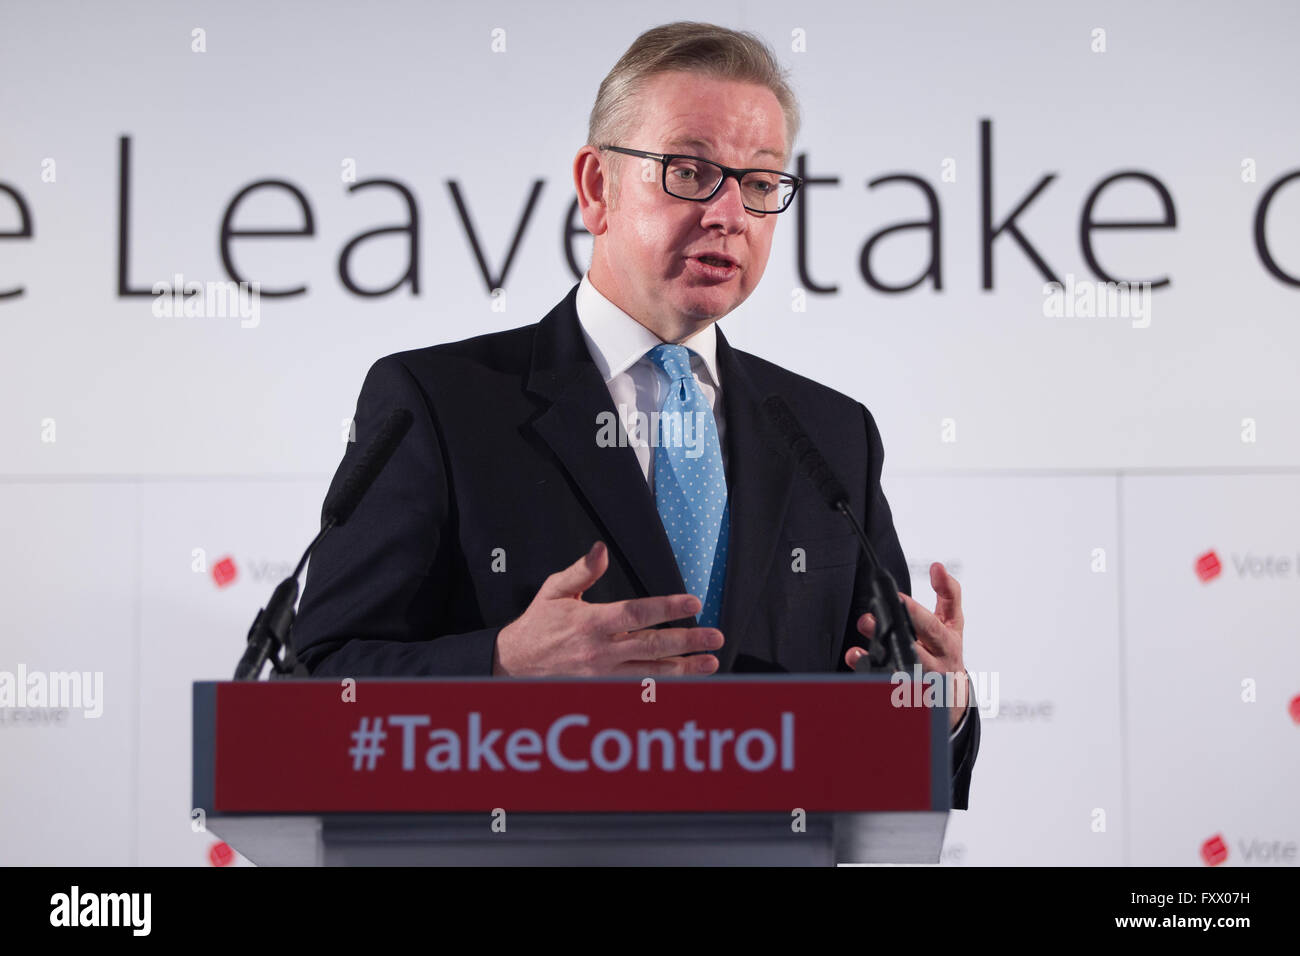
(269, 635)
(890, 647)
(339, 506)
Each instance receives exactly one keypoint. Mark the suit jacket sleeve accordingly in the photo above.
(879, 527)
(376, 584)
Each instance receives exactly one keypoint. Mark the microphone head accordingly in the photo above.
(806, 456)
(340, 505)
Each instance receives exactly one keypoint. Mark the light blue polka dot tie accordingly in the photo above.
(690, 484)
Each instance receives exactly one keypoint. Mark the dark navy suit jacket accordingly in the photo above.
(503, 454)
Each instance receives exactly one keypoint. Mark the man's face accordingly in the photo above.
(645, 260)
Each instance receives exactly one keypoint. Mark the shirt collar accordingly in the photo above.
(617, 341)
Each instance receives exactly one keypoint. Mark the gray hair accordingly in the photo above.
(690, 47)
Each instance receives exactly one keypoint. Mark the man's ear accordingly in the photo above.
(592, 182)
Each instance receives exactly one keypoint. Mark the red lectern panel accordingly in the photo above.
(444, 745)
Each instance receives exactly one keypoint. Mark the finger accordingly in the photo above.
(867, 628)
(577, 577)
(930, 631)
(670, 666)
(948, 592)
(633, 614)
(854, 654)
(658, 643)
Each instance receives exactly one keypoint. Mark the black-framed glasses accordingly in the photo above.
(697, 179)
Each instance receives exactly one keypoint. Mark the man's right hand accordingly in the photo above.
(561, 635)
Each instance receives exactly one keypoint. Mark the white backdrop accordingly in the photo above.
(1072, 469)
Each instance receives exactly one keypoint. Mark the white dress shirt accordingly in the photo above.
(618, 344)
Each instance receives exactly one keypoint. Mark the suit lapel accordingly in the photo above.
(610, 478)
(759, 478)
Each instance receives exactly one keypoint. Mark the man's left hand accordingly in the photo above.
(938, 636)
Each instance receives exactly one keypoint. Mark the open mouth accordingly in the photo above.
(717, 262)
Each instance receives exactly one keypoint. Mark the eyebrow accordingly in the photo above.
(705, 144)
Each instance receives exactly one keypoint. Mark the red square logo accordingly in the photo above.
(223, 572)
(1214, 851)
(1294, 708)
(220, 854)
(1208, 567)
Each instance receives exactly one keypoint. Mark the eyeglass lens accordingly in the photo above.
(695, 179)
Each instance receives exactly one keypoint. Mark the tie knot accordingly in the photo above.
(675, 360)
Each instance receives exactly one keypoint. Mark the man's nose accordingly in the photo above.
(727, 206)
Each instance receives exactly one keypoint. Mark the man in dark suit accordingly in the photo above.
(626, 419)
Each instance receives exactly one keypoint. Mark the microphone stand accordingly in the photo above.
(268, 638)
(891, 646)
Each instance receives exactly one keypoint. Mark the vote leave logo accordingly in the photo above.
(1214, 851)
(220, 854)
(1208, 566)
(224, 571)
(1252, 851)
